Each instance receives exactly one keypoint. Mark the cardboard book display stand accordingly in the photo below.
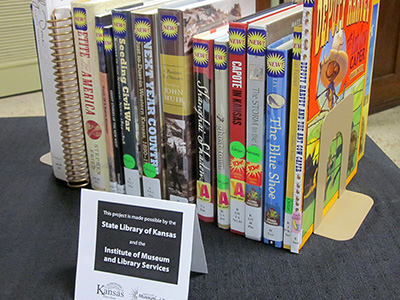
(348, 212)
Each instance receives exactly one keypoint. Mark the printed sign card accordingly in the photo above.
(136, 248)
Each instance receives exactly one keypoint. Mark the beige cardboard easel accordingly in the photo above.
(346, 215)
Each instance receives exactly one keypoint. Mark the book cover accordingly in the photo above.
(177, 29)
(146, 46)
(114, 107)
(260, 35)
(204, 86)
(84, 13)
(333, 65)
(127, 98)
(279, 66)
(237, 115)
(41, 12)
(292, 133)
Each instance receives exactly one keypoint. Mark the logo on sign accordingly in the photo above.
(110, 290)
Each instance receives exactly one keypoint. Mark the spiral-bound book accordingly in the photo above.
(56, 56)
(41, 13)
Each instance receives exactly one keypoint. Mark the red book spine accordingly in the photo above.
(237, 120)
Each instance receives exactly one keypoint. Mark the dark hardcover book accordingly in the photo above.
(102, 20)
(146, 46)
(114, 106)
(126, 64)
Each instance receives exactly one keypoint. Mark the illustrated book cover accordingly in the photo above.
(335, 43)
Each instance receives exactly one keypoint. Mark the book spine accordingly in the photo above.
(114, 107)
(203, 68)
(41, 11)
(178, 107)
(278, 91)
(90, 92)
(298, 186)
(221, 74)
(368, 81)
(237, 120)
(68, 101)
(127, 100)
(294, 95)
(149, 101)
(255, 131)
(106, 101)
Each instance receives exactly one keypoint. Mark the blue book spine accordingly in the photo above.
(279, 56)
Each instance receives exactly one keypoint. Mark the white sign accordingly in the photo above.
(136, 248)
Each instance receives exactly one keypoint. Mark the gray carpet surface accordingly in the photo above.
(39, 237)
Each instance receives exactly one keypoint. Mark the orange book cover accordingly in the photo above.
(333, 66)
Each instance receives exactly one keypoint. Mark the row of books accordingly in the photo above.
(135, 40)
(212, 103)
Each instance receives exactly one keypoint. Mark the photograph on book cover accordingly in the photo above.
(178, 26)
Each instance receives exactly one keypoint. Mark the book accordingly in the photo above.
(84, 13)
(178, 25)
(127, 97)
(333, 65)
(204, 86)
(292, 134)
(368, 80)
(260, 35)
(237, 109)
(100, 21)
(41, 13)
(114, 106)
(104, 38)
(146, 47)
(221, 75)
(279, 62)
(66, 83)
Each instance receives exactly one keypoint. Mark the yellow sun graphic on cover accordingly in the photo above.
(220, 57)
(142, 30)
(80, 18)
(237, 41)
(200, 55)
(275, 64)
(99, 35)
(169, 27)
(296, 45)
(119, 25)
(108, 42)
(256, 42)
